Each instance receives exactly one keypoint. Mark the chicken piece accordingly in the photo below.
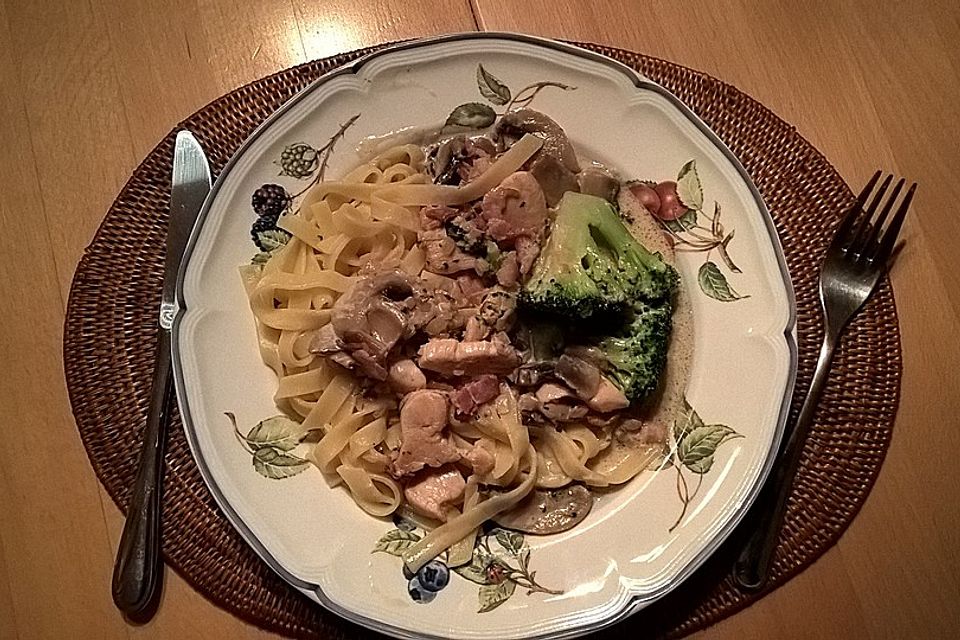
(515, 209)
(423, 417)
(405, 376)
(476, 330)
(442, 254)
(527, 251)
(433, 216)
(482, 389)
(508, 275)
(498, 310)
(607, 398)
(470, 172)
(455, 358)
(435, 311)
(480, 459)
(471, 286)
(432, 494)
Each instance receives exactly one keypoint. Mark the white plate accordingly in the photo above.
(625, 555)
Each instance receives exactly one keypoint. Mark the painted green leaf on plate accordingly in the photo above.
(395, 542)
(274, 464)
(279, 432)
(493, 595)
(491, 88)
(702, 442)
(512, 541)
(689, 189)
(474, 115)
(714, 283)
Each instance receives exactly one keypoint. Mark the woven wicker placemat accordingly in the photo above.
(109, 341)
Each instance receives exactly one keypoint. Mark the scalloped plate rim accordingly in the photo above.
(634, 602)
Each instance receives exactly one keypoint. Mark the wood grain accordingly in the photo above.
(50, 498)
(88, 88)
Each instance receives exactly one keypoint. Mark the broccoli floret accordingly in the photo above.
(635, 357)
(591, 264)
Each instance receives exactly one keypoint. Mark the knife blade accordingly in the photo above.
(137, 570)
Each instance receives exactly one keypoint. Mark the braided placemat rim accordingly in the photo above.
(109, 340)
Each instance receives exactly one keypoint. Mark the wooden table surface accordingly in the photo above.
(89, 87)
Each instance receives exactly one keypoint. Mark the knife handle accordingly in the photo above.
(753, 565)
(136, 572)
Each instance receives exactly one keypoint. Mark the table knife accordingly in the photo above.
(136, 573)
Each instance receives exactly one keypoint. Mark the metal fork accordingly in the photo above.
(854, 262)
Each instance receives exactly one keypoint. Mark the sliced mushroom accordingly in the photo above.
(545, 512)
(592, 355)
(608, 397)
(580, 375)
(460, 159)
(602, 420)
(553, 392)
(554, 178)
(595, 181)
(527, 402)
(380, 294)
(343, 359)
(513, 125)
(368, 321)
(324, 340)
(444, 161)
(531, 374)
(563, 412)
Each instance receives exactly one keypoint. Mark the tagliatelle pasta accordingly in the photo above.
(374, 220)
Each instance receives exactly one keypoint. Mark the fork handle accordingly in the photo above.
(753, 565)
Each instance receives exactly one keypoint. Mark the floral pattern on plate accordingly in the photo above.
(500, 563)
(678, 206)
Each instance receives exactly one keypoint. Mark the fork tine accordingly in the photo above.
(858, 245)
(851, 217)
(890, 235)
(878, 225)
